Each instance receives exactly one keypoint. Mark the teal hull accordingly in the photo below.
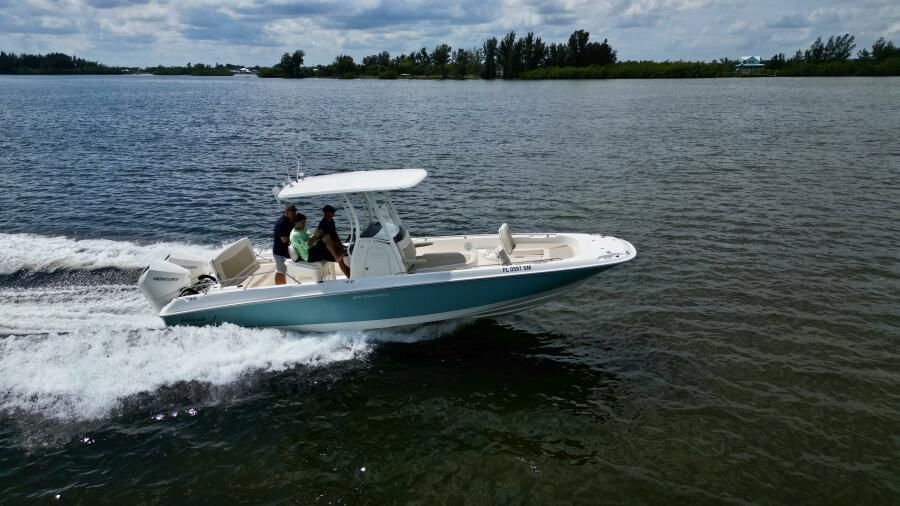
(379, 308)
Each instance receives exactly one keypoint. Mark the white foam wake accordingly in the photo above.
(42, 253)
(75, 353)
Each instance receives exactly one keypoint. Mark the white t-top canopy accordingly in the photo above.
(353, 182)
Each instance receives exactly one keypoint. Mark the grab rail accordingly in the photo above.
(244, 286)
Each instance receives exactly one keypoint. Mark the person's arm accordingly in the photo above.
(314, 239)
(285, 234)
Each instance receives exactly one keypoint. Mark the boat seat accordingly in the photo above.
(509, 245)
(320, 270)
(234, 263)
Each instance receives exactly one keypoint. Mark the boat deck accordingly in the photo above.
(432, 255)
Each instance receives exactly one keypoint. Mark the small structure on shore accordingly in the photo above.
(749, 64)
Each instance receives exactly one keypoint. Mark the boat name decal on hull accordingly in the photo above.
(517, 268)
(371, 296)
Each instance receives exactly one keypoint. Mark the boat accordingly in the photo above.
(395, 280)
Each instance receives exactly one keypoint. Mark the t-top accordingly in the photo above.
(299, 238)
(283, 228)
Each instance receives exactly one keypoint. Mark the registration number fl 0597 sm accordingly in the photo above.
(517, 268)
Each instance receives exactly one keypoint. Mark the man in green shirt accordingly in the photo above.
(301, 240)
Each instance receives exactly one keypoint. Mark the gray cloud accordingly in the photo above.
(639, 20)
(269, 11)
(45, 26)
(391, 14)
(788, 21)
(111, 4)
(146, 32)
(218, 26)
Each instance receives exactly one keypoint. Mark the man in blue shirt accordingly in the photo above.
(282, 238)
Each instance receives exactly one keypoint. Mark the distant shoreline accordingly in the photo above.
(476, 78)
(831, 59)
(471, 78)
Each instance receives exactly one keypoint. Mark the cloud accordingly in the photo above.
(788, 21)
(405, 14)
(150, 32)
(111, 4)
(639, 20)
(272, 11)
(648, 13)
(44, 25)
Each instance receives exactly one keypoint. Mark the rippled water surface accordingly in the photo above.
(748, 355)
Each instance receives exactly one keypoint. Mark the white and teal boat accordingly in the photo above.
(396, 279)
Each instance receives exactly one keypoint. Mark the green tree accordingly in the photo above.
(378, 61)
(462, 60)
(884, 49)
(489, 71)
(297, 63)
(526, 47)
(557, 55)
(424, 58)
(601, 54)
(441, 57)
(776, 62)
(286, 64)
(538, 53)
(344, 67)
(577, 46)
(508, 55)
(533, 52)
(838, 48)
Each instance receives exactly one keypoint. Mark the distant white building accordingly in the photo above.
(749, 64)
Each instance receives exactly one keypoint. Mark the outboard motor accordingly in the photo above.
(196, 266)
(162, 281)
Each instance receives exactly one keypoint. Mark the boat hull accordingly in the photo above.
(395, 306)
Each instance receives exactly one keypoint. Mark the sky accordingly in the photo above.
(257, 32)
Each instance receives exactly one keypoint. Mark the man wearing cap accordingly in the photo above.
(330, 247)
(282, 238)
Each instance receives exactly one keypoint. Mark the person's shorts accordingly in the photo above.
(280, 264)
(317, 253)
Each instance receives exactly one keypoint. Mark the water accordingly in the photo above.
(749, 354)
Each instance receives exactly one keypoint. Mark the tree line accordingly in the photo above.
(51, 63)
(509, 57)
(59, 63)
(834, 57)
(198, 69)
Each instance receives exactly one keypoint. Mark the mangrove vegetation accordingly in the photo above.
(579, 57)
(63, 64)
(511, 57)
(51, 63)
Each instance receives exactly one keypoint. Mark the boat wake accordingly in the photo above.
(74, 351)
(36, 253)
